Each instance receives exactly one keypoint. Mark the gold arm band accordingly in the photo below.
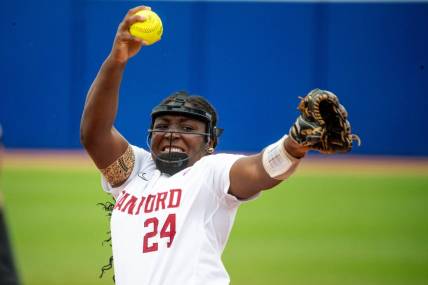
(117, 172)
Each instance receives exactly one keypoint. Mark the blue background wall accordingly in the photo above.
(250, 59)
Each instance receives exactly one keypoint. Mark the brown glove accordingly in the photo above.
(323, 124)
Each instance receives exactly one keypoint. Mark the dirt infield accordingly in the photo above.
(78, 159)
(46, 159)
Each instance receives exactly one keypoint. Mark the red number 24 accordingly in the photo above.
(167, 231)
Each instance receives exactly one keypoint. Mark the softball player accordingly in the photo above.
(175, 202)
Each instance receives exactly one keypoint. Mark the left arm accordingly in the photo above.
(322, 126)
(248, 175)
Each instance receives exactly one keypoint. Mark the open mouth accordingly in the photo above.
(171, 149)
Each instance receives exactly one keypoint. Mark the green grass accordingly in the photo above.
(56, 227)
(365, 229)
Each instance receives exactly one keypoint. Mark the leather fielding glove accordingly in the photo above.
(323, 123)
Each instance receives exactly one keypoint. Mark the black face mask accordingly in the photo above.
(171, 162)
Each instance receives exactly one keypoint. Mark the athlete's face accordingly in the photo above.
(179, 134)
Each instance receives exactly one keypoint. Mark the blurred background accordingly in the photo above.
(353, 219)
(251, 59)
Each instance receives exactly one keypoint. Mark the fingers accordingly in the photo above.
(137, 9)
(128, 21)
(140, 41)
(131, 18)
(125, 45)
(127, 37)
(123, 33)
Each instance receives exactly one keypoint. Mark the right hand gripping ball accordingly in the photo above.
(150, 30)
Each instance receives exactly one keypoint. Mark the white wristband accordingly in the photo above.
(277, 162)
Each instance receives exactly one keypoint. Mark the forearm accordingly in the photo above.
(252, 174)
(102, 102)
(101, 140)
(248, 177)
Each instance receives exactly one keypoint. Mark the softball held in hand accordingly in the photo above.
(150, 30)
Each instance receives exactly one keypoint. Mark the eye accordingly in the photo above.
(160, 127)
(188, 129)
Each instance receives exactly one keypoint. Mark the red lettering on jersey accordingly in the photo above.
(150, 204)
(139, 205)
(154, 246)
(130, 204)
(161, 199)
(174, 198)
(168, 229)
(121, 200)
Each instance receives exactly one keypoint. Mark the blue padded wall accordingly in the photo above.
(250, 59)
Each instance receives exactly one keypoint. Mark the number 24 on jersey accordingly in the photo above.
(167, 230)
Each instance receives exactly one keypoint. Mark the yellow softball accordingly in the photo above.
(150, 30)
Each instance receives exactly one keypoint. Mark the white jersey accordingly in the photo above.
(171, 230)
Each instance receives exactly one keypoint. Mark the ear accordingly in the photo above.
(212, 143)
(210, 146)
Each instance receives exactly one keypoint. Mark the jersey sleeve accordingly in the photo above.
(218, 167)
(142, 158)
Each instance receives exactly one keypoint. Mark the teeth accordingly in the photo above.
(172, 149)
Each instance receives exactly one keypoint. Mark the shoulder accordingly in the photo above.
(221, 162)
(139, 151)
(142, 156)
(219, 158)
(215, 170)
(141, 160)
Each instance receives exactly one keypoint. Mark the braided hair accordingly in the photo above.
(108, 208)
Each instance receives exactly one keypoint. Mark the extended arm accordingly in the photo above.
(101, 140)
(322, 126)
